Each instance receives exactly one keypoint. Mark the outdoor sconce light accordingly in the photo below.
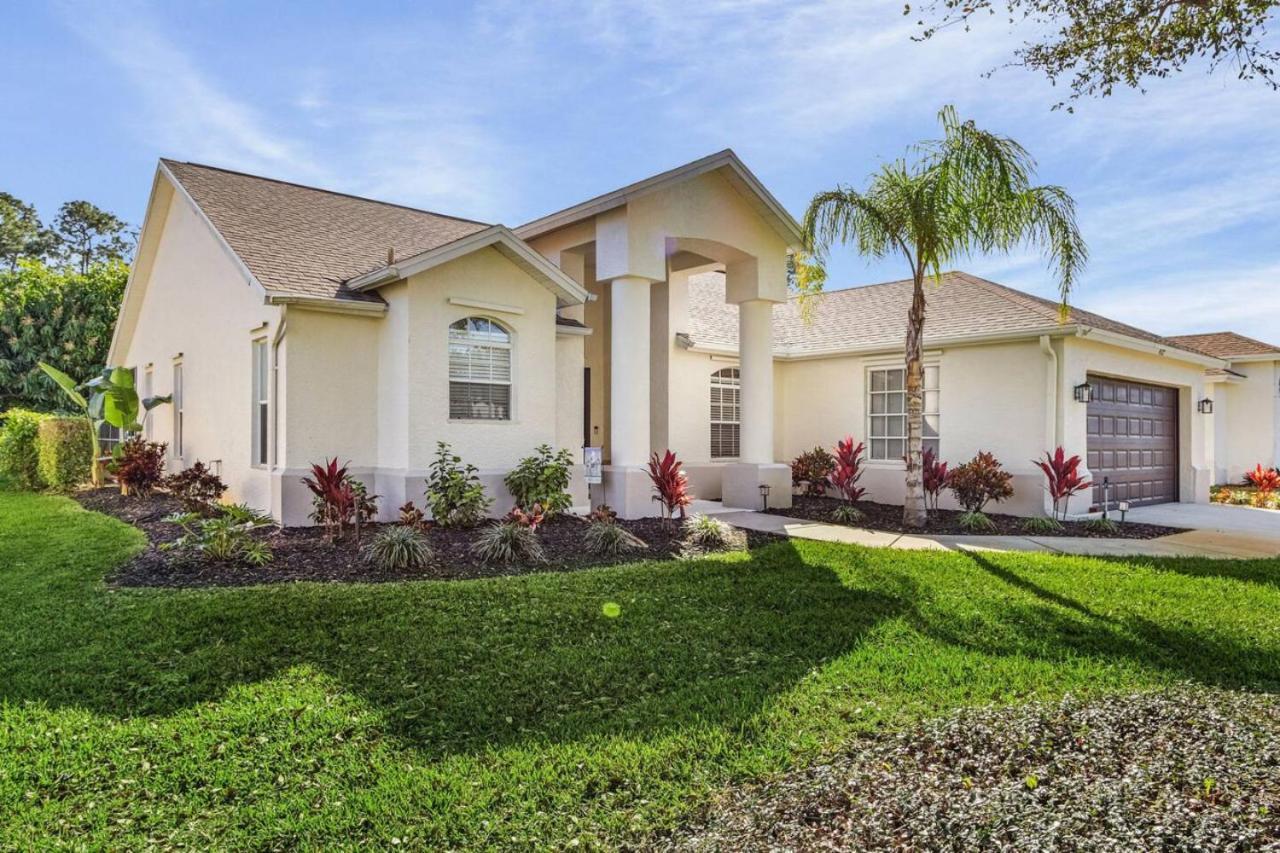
(1205, 406)
(764, 495)
(1084, 393)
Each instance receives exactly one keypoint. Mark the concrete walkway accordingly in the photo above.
(1218, 544)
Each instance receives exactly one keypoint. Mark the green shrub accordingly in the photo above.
(976, 522)
(66, 452)
(542, 478)
(708, 533)
(847, 514)
(1041, 525)
(399, 547)
(608, 539)
(1104, 526)
(225, 538)
(19, 456)
(508, 542)
(454, 491)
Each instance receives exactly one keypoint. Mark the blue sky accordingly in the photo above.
(503, 111)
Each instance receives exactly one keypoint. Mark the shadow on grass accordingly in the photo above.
(460, 666)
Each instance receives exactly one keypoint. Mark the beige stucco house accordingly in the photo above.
(294, 324)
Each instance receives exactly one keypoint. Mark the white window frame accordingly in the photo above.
(148, 390)
(725, 380)
(932, 412)
(179, 392)
(507, 345)
(260, 404)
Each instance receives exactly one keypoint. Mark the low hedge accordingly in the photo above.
(66, 451)
(19, 456)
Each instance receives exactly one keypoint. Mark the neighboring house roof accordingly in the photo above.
(1227, 345)
(874, 317)
(308, 242)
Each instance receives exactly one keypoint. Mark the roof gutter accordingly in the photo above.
(1153, 347)
(331, 306)
(791, 354)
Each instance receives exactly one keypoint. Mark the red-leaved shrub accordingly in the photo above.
(980, 481)
(530, 518)
(197, 487)
(670, 482)
(138, 465)
(848, 470)
(1064, 479)
(1265, 480)
(933, 477)
(812, 469)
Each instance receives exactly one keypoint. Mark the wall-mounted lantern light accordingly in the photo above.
(764, 495)
(1084, 393)
(1205, 406)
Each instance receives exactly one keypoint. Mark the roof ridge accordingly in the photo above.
(169, 161)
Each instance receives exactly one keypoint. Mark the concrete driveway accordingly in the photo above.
(1224, 519)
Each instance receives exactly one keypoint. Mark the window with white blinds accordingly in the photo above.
(479, 370)
(887, 407)
(261, 405)
(726, 413)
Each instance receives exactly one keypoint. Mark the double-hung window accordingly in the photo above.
(887, 412)
(260, 403)
(479, 370)
(726, 413)
(177, 410)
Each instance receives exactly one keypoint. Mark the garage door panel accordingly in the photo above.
(1132, 441)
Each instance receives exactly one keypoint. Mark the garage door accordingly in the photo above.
(1133, 441)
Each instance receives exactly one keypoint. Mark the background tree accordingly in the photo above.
(87, 235)
(1101, 44)
(59, 316)
(21, 233)
(967, 192)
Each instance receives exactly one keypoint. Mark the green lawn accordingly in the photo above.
(512, 712)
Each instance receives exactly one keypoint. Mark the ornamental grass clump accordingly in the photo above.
(508, 541)
(610, 539)
(398, 548)
(1041, 525)
(708, 533)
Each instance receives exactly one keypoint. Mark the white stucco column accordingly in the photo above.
(755, 348)
(629, 372)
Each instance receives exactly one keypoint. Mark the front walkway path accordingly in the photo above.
(1193, 543)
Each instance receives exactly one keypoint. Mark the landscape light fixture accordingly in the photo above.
(1084, 393)
(764, 495)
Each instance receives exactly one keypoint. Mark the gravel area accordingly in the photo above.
(1183, 769)
(305, 554)
(943, 522)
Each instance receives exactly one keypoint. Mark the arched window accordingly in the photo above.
(726, 413)
(479, 370)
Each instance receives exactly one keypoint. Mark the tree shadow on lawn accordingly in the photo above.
(1056, 626)
(460, 666)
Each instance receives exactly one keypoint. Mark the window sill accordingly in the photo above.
(495, 421)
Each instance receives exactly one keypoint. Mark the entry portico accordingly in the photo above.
(633, 250)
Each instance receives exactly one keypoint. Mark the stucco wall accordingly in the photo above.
(992, 398)
(1247, 414)
(196, 301)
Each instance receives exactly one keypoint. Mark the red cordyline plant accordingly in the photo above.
(1064, 479)
(335, 499)
(933, 478)
(670, 482)
(848, 470)
(1265, 480)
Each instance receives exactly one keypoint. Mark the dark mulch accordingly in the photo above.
(943, 522)
(1182, 769)
(305, 554)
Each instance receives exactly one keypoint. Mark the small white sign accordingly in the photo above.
(592, 460)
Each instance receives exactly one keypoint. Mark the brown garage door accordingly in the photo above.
(1133, 441)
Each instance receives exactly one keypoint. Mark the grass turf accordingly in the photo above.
(516, 711)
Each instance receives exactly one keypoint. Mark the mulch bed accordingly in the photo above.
(305, 554)
(944, 522)
(1181, 769)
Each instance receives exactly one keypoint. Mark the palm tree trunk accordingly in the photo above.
(914, 512)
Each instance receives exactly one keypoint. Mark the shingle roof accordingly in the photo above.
(1227, 345)
(874, 316)
(303, 241)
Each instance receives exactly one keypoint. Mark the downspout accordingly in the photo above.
(1051, 435)
(275, 387)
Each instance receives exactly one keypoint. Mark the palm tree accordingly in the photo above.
(967, 192)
